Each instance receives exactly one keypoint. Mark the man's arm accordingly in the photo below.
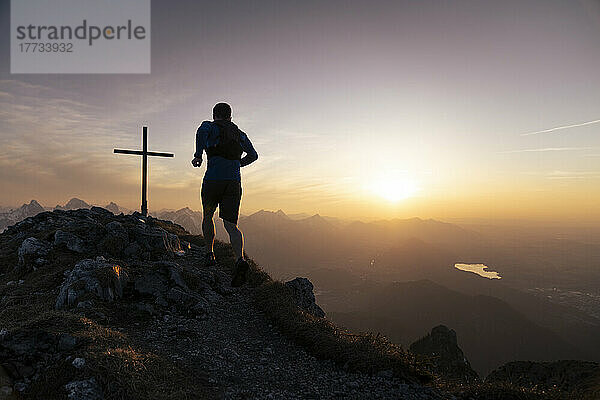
(251, 154)
(201, 136)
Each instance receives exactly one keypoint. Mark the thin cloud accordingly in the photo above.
(558, 128)
(547, 149)
(572, 174)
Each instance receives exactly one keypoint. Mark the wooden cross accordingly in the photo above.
(144, 153)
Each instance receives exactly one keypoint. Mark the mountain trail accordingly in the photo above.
(243, 356)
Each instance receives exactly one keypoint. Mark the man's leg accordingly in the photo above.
(240, 275)
(236, 238)
(208, 230)
(211, 195)
(229, 210)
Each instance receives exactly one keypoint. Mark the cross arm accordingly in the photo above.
(141, 153)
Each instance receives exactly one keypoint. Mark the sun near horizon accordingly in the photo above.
(382, 121)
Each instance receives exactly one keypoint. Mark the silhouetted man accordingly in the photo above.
(224, 144)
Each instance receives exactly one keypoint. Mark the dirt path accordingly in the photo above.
(244, 357)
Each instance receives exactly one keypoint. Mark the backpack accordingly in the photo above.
(229, 146)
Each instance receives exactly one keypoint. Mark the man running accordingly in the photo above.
(224, 144)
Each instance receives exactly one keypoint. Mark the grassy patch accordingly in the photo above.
(503, 391)
(123, 368)
(366, 353)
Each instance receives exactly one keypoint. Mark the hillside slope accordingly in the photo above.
(99, 306)
(490, 332)
(96, 306)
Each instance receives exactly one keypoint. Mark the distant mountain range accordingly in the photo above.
(10, 216)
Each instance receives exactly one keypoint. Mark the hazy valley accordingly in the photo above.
(398, 277)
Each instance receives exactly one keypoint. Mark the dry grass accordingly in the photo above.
(366, 353)
(122, 367)
(119, 362)
(501, 391)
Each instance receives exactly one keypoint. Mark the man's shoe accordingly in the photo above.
(241, 273)
(210, 260)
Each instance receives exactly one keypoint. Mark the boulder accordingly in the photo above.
(155, 240)
(117, 229)
(133, 251)
(31, 253)
(66, 342)
(97, 278)
(70, 241)
(116, 239)
(87, 389)
(163, 281)
(440, 347)
(304, 296)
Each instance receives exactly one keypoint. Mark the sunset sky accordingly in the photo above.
(361, 109)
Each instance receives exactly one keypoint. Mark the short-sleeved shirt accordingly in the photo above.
(220, 168)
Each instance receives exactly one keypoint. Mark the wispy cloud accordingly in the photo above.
(562, 127)
(572, 174)
(52, 145)
(547, 149)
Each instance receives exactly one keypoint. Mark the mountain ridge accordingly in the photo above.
(110, 293)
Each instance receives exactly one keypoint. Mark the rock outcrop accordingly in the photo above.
(91, 279)
(94, 232)
(70, 241)
(447, 360)
(87, 389)
(304, 296)
(31, 254)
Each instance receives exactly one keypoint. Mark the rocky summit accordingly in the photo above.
(98, 306)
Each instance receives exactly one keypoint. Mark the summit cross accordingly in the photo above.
(144, 153)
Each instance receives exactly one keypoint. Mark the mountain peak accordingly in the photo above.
(74, 204)
(268, 214)
(113, 208)
(441, 346)
(317, 219)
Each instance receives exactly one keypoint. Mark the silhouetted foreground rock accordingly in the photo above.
(304, 296)
(93, 232)
(447, 359)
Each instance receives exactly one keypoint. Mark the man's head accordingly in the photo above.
(222, 111)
